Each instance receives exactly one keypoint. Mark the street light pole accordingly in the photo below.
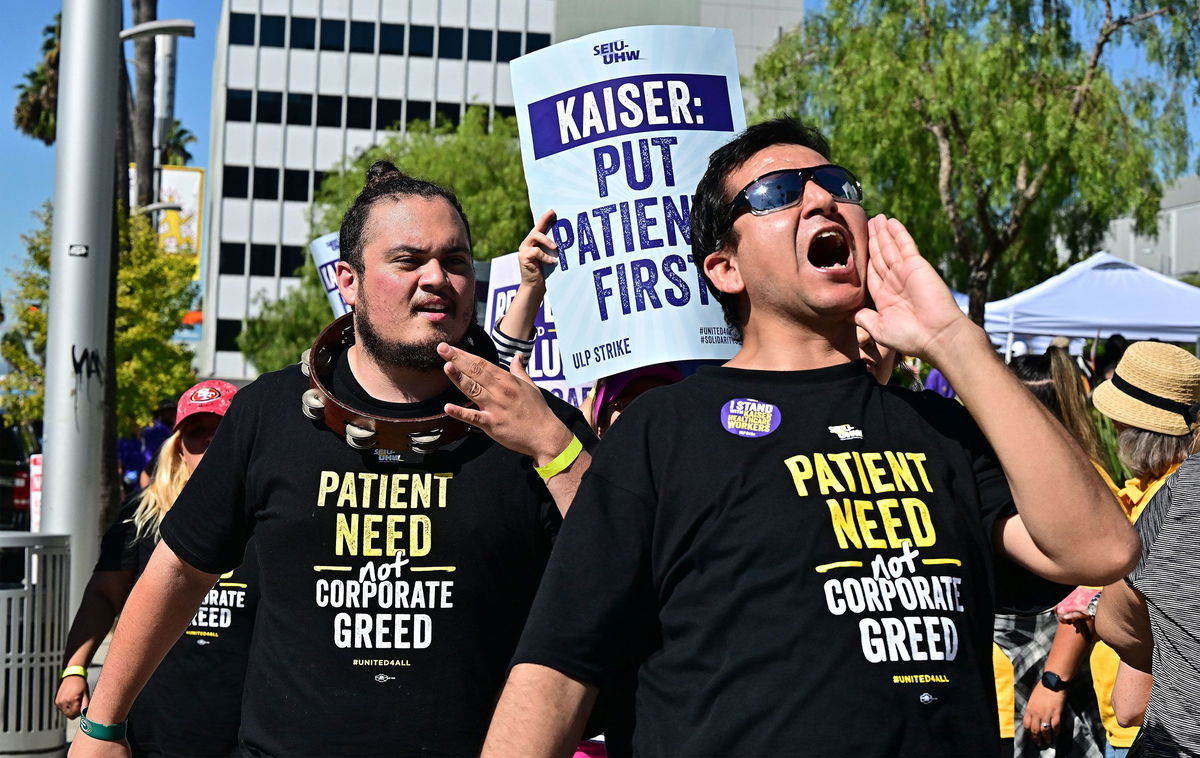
(164, 102)
(165, 34)
(80, 260)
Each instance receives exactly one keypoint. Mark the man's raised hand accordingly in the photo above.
(914, 311)
(536, 250)
(511, 409)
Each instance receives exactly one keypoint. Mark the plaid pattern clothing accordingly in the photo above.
(1026, 641)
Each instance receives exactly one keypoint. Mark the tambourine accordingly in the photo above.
(362, 430)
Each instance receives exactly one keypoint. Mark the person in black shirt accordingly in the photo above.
(395, 583)
(205, 669)
(779, 556)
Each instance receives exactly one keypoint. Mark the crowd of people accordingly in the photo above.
(789, 553)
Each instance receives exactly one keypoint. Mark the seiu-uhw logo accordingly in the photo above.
(616, 52)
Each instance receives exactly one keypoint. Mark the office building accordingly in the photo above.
(1175, 251)
(300, 84)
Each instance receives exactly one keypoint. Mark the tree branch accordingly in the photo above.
(946, 186)
(1033, 189)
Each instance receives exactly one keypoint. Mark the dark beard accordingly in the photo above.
(416, 356)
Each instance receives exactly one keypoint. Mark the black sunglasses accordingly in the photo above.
(785, 188)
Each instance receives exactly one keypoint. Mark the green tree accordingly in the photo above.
(37, 96)
(995, 128)
(284, 328)
(481, 165)
(24, 344)
(153, 292)
(175, 142)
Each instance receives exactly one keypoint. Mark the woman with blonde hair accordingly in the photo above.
(192, 705)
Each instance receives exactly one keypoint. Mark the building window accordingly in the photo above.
(295, 185)
(236, 181)
(505, 111)
(450, 42)
(270, 107)
(535, 41)
(333, 35)
(270, 31)
(262, 260)
(447, 113)
(299, 109)
(362, 37)
(418, 110)
(304, 33)
(233, 258)
(329, 110)
(266, 184)
(291, 259)
(420, 41)
(391, 39)
(479, 44)
(508, 46)
(227, 334)
(389, 113)
(237, 104)
(318, 177)
(241, 29)
(358, 112)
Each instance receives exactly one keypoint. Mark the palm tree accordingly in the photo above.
(37, 97)
(175, 142)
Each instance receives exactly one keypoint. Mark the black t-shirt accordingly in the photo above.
(361, 649)
(792, 562)
(192, 704)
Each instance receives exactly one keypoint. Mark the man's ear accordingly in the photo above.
(347, 281)
(721, 267)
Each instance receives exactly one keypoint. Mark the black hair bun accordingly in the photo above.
(381, 172)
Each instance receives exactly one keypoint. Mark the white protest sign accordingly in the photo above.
(545, 365)
(615, 142)
(325, 255)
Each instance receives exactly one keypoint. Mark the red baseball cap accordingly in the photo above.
(209, 396)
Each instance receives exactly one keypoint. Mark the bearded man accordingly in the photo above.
(394, 583)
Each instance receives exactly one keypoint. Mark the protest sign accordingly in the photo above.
(545, 365)
(325, 254)
(615, 142)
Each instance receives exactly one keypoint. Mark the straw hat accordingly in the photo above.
(1156, 387)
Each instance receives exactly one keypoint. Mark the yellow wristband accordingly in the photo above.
(562, 460)
(73, 671)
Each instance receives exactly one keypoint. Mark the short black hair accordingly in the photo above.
(710, 219)
(384, 180)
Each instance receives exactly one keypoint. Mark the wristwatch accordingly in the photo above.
(1054, 682)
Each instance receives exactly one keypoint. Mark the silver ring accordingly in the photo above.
(1045, 725)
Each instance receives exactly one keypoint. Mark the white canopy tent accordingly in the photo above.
(1098, 297)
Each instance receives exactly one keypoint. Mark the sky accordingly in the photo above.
(27, 179)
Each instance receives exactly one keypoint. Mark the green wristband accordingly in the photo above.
(106, 732)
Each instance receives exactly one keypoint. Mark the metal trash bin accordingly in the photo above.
(36, 618)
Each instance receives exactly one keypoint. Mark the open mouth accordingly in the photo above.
(435, 311)
(829, 250)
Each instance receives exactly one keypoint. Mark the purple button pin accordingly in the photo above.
(747, 417)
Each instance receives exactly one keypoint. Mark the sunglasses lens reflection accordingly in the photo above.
(785, 189)
(776, 192)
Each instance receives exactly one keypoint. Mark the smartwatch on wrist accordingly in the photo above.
(1054, 682)
(98, 731)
